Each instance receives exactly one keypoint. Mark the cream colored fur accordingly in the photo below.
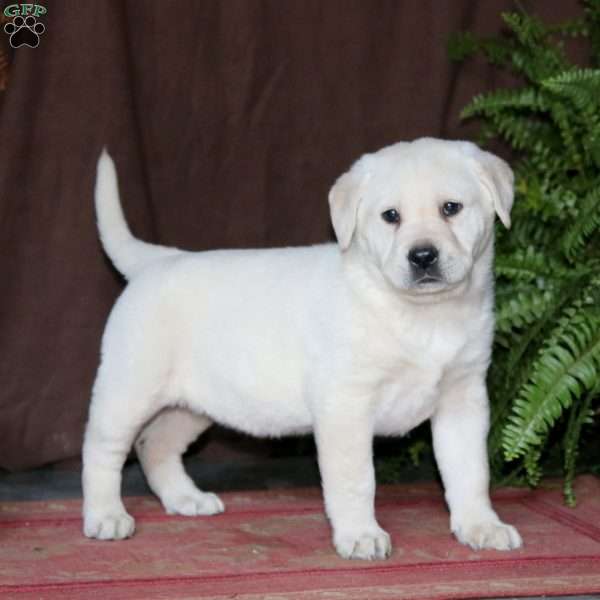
(336, 339)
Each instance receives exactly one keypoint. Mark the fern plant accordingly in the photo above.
(545, 377)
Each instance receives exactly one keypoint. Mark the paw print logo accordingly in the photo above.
(24, 31)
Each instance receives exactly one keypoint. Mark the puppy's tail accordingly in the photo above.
(128, 254)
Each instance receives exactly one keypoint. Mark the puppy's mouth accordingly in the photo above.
(429, 276)
(428, 280)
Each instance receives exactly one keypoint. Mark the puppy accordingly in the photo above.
(372, 336)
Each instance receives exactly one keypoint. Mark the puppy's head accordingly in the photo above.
(422, 211)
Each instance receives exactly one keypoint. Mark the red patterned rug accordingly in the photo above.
(275, 546)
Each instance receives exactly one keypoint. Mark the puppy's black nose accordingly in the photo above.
(423, 256)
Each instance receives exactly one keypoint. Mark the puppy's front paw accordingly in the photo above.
(193, 503)
(367, 544)
(492, 534)
(116, 525)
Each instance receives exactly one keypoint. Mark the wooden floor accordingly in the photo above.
(270, 541)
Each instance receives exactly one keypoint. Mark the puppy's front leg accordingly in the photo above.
(460, 427)
(344, 436)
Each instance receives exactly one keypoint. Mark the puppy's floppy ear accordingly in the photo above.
(344, 198)
(497, 178)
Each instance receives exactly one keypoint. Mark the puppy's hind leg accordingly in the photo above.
(109, 436)
(159, 448)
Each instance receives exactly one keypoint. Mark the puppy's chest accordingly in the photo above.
(419, 348)
(412, 376)
(405, 402)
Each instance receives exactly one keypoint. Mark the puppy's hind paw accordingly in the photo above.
(194, 504)
(109, 526)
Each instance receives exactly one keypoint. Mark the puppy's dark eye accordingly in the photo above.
(391, 216)
(449, 209)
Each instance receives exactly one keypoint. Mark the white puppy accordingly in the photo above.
(389, 328)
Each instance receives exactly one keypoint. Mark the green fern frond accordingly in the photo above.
(540, 195)
(525, 232)
(562, 116)
(528, 265)
(567, 367)
(574, 28)
(579, 417)
(580, 89)
(569, 296)
(588, 223)
(490, 103)
(523, 346)
(523, 308)
(533, 470)
(536, 58)
(581, 86)
(520, 130)
(464, 44)
(529, 30)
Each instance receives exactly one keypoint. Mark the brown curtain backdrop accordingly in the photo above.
(228, 119)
